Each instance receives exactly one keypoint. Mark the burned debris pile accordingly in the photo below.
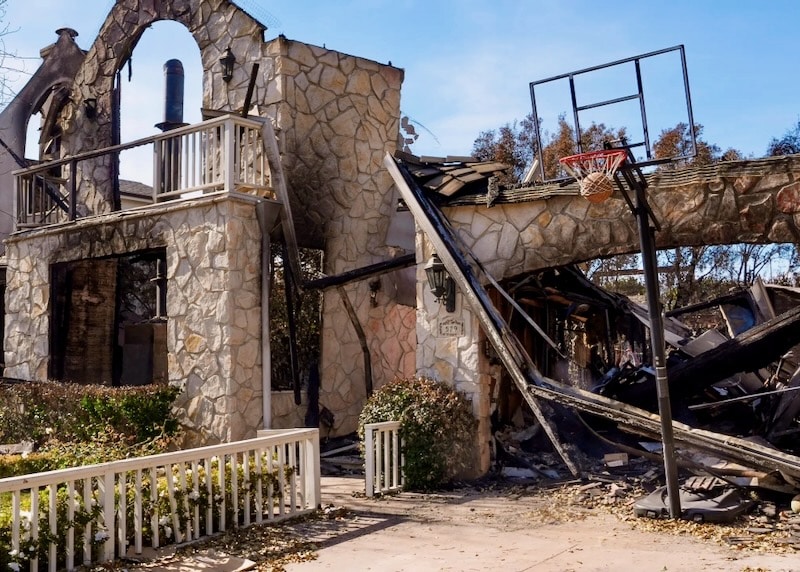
(739, 376)
(741, 379)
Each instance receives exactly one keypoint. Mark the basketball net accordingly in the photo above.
(594, 172)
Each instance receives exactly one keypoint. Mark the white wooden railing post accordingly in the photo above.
(158, 166)
(383, 461)
(230, 155)
(108, 515)
(369, 460)
(311, 473)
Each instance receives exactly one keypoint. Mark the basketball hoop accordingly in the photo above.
(594, 172)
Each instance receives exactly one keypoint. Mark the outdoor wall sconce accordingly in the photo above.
(90, 107)
(227, 60)
(442, 285)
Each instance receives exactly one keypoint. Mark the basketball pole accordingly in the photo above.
(647, 244)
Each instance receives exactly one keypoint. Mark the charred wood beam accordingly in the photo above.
(362, 338)
(649, 424)
(248, 98)
(291, 314)
(726, 299)
(278, 181)
(362, 273)
(748, 351)
(436, 227)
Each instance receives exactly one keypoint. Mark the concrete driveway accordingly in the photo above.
(503, 530)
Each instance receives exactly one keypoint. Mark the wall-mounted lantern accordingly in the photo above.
(442, 285)
(90, 107)
(227, 60)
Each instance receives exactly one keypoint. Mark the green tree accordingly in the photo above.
(308, 317)
(562, 143)
(515, 144)
(788, 144)
(677, 142)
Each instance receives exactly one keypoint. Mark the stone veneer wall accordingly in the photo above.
(336, 116)
(450, 351)
(213, 246)
(738, 201)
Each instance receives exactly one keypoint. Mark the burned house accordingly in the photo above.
(281, 119)
(298, 147)
(539, 332)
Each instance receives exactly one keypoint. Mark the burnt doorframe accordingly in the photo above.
(63, 309)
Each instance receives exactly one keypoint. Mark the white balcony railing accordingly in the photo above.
(90, 514)
(225, 153)
(383, 458)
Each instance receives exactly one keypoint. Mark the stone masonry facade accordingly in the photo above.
(335, 116)
(212, 249)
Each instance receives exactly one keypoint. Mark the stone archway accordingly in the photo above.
(61, 61)
(214, 24)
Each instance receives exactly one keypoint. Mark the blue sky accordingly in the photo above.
(468, 63)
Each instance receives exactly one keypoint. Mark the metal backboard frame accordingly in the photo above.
(638, 95)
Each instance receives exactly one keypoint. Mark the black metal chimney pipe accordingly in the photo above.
(173, 96)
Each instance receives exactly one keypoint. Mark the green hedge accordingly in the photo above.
(71, 424)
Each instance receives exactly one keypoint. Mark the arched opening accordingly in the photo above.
(140, 85)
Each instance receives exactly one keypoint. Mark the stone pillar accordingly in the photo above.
(450, 350)
(214, 327)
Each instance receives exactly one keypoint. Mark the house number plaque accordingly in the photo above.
(451, 328)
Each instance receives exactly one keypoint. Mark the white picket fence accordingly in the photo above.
(95, 513)
(383, 458)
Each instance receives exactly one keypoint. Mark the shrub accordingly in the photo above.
(73, 425)
(37, 411)
(437, 428)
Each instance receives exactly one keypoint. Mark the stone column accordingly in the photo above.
(450, 350)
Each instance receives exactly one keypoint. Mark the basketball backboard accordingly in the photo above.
(614, 94)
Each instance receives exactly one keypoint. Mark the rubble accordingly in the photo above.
(601, 366)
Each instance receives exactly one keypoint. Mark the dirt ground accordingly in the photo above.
(520, 528)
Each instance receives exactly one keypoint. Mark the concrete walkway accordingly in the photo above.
(470, 530)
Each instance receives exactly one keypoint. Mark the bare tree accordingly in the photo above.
(6, 92)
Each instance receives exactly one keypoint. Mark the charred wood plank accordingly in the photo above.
(649, 424)
(362, 273)
(362, 338)
(748, 351)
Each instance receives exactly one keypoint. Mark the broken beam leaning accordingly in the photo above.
(378, 268)
(646, 423)
(441, 236)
